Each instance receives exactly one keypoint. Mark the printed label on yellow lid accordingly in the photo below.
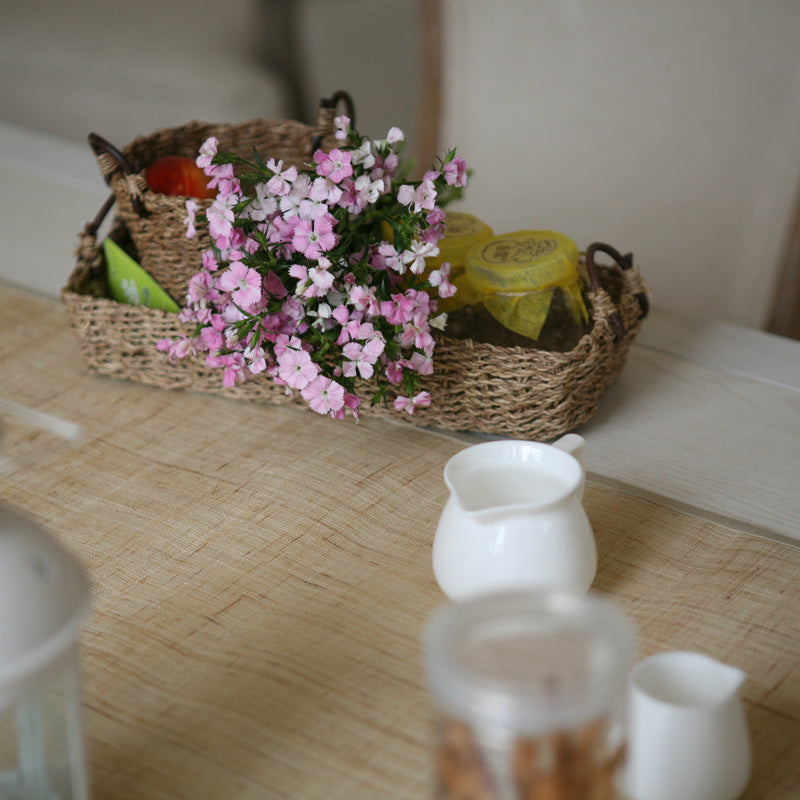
(523, 261)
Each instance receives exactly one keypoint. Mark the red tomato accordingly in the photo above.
(177, 175)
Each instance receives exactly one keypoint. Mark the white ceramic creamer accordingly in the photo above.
(687, 733)
(515, 520)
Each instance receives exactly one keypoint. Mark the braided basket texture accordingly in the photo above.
(513, 392)
(157, 222)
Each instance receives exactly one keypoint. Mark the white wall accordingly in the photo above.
(669, 129)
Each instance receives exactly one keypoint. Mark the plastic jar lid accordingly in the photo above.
(523, 261)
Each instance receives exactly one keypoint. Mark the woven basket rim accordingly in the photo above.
(476, 387)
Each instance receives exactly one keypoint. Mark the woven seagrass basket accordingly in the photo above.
(514, 392)
(157, 222)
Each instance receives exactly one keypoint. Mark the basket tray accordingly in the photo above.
(508, 391)
(157, 222)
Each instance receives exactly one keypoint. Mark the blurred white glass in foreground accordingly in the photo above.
(44, 597)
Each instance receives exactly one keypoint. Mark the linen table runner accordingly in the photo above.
(261, 579)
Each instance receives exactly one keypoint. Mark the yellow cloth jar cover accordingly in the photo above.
(515, 276)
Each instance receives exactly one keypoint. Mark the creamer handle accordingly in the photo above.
(574, 445)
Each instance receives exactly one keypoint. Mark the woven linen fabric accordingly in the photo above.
(261, 580)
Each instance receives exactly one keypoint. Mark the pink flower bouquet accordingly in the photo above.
(315, 275)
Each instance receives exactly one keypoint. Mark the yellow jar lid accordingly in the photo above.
(523, 261)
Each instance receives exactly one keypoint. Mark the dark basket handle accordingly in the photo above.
(624, 262)
(102, 147)
(88, 236)
(326, 104)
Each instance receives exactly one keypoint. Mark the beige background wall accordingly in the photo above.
(670, 129)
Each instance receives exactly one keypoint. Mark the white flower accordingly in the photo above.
(363, 155)
(439, 321)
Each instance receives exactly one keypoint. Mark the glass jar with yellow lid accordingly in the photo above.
(520, 288)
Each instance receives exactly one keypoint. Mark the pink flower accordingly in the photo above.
(274, 285)
(256, 359)
(311, 209)
(313, 237)
(342, 124)
(387, 257)
(416, 332)
(324, 395)
(394, 372)
(243, 282)
(385, 168)
(200, 287)
(406, 194)
(177, 349)
(209, 260)
(211, 339)
(410, 403)
(296, 369)
(364, 156)
(361, 357)
(435, 217)
(321, 281)
(224, 180)
(352, 401)
(395, 135)
(349, 328)
(207, 152)
(440, 277)
(189, 222)
(455, 172)
(365, 192)
(363, 299)
(220, 216)
(399, 310)
(233, 368)
(324, 190)
(280, 231)
(263, 205)
(421, 363)
(341, 315)
(423, 197)
(283, 342)
(281, 182)
(335, 164)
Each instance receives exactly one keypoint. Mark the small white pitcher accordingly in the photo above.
(515, 520)
(687, 737)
